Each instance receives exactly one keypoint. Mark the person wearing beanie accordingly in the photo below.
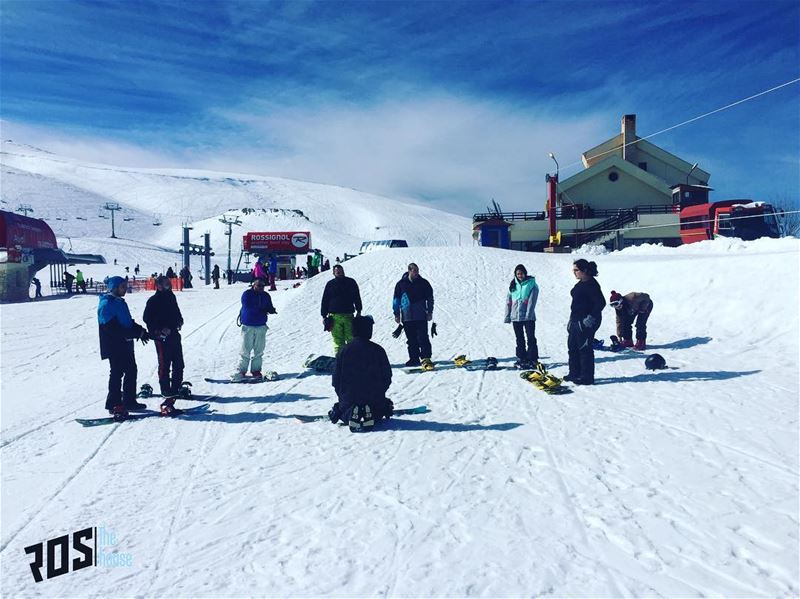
(253, 315)
(117, 334)
(361, 378)
(634, 306)
(521, 313)
(164, 321)
(339, 300)
(584, 320)
(412, 305)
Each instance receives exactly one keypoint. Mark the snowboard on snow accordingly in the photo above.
(193, 411)
(397, 412)
(489, 363)
(320, 363)
(268, 376)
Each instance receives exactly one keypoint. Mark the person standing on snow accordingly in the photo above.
(164, 321)
(117, 334)
(340, 298)
(256, 308)
(632, 306)
(413, 307)
(584, 320)
(361, 378)
(215, 276)
(272, 272)
(521, 313)
(258, 270)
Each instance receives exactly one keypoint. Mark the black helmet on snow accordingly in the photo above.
(655, 362)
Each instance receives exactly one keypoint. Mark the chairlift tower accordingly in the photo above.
(24, 208)
(112, 207)
(234, 220)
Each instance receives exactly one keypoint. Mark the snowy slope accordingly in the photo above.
(681, 482)
(339, 219)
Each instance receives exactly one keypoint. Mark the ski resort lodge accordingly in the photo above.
(629, 192)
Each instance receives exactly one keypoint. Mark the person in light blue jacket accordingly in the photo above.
(521, 313)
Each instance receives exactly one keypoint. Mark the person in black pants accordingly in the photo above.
(584, 320)
(361, 378)
(117, 333)
(164, 321)
(413, 306)
(521, 313)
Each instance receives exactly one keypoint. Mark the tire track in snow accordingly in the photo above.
(58, 491)
(577, 517)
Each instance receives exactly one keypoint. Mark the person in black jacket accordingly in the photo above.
(164, 321)
(413, 306)
(584, 320)
(362, 377)
(340, 298)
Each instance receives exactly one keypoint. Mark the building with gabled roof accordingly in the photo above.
(623, 196)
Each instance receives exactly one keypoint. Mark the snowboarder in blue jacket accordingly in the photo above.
(118, 331)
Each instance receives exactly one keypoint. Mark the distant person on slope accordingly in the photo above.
(256, 308)
(521, 313)
(632, 306)
(362, 377)
(68, 279)
(80, 282)
(215, 276)
(413, 307)
(117, 334)
(584, 320)
(340, 298)
(272, 271)
(258, 270)
(164, 321)
(171, 273)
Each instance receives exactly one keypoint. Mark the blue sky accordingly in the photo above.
(452, 103)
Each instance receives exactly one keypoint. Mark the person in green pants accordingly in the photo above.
(339, 300)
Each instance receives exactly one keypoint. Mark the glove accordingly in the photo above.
(272, 311)
(144, 337)
(433, 330)
(397, 331)
(589, 322)
(327, 324)
(333, 413)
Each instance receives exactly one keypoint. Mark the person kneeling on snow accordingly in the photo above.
(632, 306)
(362, 377)
(117, 334)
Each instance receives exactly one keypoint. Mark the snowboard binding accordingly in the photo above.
(427, 364)
(145, 391)
(185, 392)
(461, 361)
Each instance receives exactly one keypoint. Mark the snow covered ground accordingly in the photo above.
(682, 482)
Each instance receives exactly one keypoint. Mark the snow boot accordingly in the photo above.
(238, 377)
(168, 407)
(361, 419)
(626, 342)
(641, 345)
(134, 406)
(119, 413)
(412, 363)
(256, 374)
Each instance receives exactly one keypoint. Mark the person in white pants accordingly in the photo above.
(253, 315)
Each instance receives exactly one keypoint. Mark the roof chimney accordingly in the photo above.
(628, 135)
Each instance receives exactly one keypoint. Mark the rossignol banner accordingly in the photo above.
(287, 242)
